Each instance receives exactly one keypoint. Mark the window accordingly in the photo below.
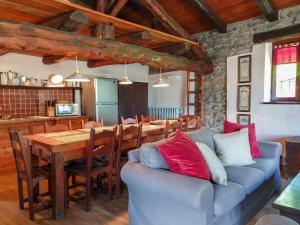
(286, 61)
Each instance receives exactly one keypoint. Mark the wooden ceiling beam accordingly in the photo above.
(99, 63)
(205, 10)
(268, 9)
(273, 35)
(51, 59)
(117, 7)
(101, 6)
(46, 41)
(3, 52)
(175, 49)
(167, 21)
(70, 22)
(136, 38)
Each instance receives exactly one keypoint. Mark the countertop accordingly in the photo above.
(37, 119)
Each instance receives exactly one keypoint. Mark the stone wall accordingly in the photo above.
(237, 40)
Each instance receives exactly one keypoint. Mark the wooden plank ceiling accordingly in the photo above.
(187, 15)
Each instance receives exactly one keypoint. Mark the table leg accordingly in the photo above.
(58, 186)
(36, 189)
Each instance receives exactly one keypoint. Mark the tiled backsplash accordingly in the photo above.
(29, 102)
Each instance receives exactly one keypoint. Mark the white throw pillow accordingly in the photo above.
(216, 168)
(233, 149)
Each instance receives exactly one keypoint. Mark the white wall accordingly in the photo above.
(172, 96)
(272, 120)
(31, 66)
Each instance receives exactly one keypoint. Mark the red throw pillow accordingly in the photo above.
(183, 156)
(230, 127)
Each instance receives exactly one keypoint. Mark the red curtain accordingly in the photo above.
(286, 54)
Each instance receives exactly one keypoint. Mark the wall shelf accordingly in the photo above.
(38, 88)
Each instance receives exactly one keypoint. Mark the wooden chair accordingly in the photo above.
(32, 175)
(129, 138)
(91, 124)
(101, 144)
(158, 134)
(57, 127)
(134, 120)
(192, 123)
(145, 119)
(172, 126)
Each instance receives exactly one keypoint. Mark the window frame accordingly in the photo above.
(273, 80)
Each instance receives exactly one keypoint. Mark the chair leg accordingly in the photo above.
(110, 186)
(67, 194)
(31, 202)
(88, 194)
(99, 182)
(21, 193)
(73, 179)
(118, 182)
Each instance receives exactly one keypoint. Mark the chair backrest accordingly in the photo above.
(22, 159)
(57, 127)
(101, 144)
(193, 124)
(134, 120)
(158, 134)
(91, 124)
(172, 126)
(145, 119)
(129, 137)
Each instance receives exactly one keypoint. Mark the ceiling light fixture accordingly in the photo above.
(160, 82)
(77, 76)
(125, 80)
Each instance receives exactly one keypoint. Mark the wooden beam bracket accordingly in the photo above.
(137, 38)
(104, 31)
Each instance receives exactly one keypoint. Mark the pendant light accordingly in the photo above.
(125, 80)
(77, 76)
(160, 82)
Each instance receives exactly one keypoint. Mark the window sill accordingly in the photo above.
(282, 103)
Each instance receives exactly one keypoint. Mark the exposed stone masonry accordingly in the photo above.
(237, 40)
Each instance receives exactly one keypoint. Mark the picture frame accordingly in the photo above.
(244, 69)
(243, 119)
(243, 98)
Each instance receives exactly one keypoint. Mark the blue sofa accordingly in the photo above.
(160, 197)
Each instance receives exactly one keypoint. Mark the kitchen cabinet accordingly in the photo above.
(133, 99)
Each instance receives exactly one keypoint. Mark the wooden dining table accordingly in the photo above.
(61, 147)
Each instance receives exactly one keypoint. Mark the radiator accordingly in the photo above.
(165, 113)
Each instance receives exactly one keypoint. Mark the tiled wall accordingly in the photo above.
(29, 102)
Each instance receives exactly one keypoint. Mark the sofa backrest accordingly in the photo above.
(150, 156)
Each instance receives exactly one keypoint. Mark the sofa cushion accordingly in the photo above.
(248, 177)
(182, 156)
(215, 166)
(233, 149)
(227, 197)
(151, 157)
(205, 135)
(232, 127)
(267, 166)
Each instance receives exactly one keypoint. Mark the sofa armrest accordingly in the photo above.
(270, 149)
(134, 155)
(152, 190)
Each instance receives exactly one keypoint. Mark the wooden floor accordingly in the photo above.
(103, 212)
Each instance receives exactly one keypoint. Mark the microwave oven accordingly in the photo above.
(67, 110)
